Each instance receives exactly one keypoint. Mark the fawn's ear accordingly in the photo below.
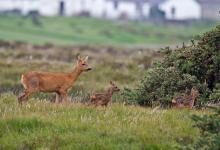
(111, 83)
(86, 58)
(78, 57)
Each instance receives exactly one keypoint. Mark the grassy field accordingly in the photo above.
(69, 31)
(43, 125)
(123, 66)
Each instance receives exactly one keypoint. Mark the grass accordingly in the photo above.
(121, 66)
(73, 30)
(40, 124)
(43, 125)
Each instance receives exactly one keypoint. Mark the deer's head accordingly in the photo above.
(82, 64)
(194, 92)
(173, 101)
(114, 87)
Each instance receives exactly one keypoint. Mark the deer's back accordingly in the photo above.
(100, 98)
(44, 81)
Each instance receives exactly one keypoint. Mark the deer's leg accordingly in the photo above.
(58, 98)
(30, 87)
(65, 99)
(24, 96)
(21, 98)
(63, 95)
(106, 104)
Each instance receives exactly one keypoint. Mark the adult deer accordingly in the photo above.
(59, 83)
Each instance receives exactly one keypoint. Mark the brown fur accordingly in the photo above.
(186, 101)
(102, 99)
(59, 83)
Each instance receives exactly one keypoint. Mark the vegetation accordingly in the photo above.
(44, 125)
(215, 95)
(40, 124)
(123, 66)
(197, 64)
(209, 126)
(75, 30)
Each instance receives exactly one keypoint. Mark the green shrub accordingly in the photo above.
(209, 126)
(160, 84)
(200, 59)
(215, 96)
(197, 65)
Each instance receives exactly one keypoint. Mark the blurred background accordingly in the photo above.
(121, 37)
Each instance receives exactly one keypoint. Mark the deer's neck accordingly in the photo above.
(110, 92)
(75, 74)
(193, 97)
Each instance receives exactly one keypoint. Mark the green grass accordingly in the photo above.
(68, 31)
(43, 125)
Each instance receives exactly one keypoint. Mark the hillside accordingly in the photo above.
(60, 31)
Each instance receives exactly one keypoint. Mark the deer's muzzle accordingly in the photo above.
(88, 69)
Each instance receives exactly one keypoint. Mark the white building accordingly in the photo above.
(181, 9)
(131, 9)
(98, 8)
(23, 5)
(111, 9)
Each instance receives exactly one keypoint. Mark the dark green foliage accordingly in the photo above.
(209, 126)
(201, 60)
(160, 84)
(215, 96)
(197, 64)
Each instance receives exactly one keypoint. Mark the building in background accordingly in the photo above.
(210, 9)
(127, 9)
(181, 9)
(22, 6)
(117, 9)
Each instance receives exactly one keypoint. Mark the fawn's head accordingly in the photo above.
(82, 64)
(194, 92)
(114, 87)
(173, 101)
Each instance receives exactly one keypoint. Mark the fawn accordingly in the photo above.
(186, 101)
(59, 83)
(102, 99)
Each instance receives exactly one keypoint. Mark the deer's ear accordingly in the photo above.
(111, 83)
(86, 58)
(78, 57)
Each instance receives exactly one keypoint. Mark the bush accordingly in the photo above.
(209, 126)
(197, 64)
(160, 84)
(215, 96)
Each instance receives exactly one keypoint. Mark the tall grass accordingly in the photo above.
(44, 125)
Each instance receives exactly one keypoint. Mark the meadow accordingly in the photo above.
(122, 65)
(44, 125)
(41, 124)
(69, 31)
(53, 46)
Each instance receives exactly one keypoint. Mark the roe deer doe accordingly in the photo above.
(102, 99)
(186, 101)
(59, 83)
